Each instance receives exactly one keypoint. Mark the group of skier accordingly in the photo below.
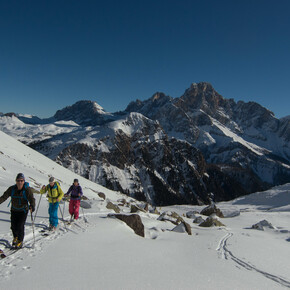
(23, 201)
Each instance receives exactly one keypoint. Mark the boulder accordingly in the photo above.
(191, 214)
(187, 228)
(198, 220)
(171, 216)
(112, 206)
(102, 195)
(136, 208)
(123, 202)
(179, 228)
(212, 209)
(211, 222)
(133, 221)
(261, 225)
(183, 227)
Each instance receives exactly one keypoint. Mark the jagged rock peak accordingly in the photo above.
(157, 100)
(202, 96)
(158, 96)
(202, 88)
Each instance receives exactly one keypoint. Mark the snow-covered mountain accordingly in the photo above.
(107, 254)
(192, 149)
(244, 135)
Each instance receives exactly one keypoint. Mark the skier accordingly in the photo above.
(75, 199)
(22, 201)
(55, 194)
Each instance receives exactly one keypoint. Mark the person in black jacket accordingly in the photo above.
(22, 201)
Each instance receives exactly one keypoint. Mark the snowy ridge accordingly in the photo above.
(256, 149)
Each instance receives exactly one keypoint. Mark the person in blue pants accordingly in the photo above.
(55, 194)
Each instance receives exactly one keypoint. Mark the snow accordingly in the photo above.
(36, 132)
(106, 254)
(256, 149)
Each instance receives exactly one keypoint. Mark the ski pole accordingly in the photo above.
(63, 206)
(37, 207)
(85, 219)
(62, 217)
(32, 222)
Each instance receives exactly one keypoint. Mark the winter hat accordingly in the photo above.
(76, 180)
(20, 176)
(51, 179)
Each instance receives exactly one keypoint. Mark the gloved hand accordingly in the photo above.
(31, 208)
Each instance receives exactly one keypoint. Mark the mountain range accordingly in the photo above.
(194, 149)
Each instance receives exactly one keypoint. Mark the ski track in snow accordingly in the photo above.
(225, 253)
(15, 257)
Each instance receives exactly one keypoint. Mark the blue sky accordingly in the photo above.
(54, 53)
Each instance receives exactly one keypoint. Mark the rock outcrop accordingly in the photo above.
(133, 221)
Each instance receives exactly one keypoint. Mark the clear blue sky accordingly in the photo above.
(54, 53)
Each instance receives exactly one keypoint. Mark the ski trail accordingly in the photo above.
(225, 253)
(221, 247)
(10, 264)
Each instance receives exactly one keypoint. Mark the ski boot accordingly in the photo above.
(19, 245)
(14, 242)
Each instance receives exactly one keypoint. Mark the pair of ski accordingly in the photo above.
(11, 251)
(46, 232)
(2, 254)
(73, 222)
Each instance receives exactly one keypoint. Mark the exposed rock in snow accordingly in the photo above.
(212, 209)
(112, 206)
(212, 222)
(198, 220)
(183, 227)
(102, 195)
(136, 208)
(261, 225)
(170, 216)
(191, 214)
(133, 221)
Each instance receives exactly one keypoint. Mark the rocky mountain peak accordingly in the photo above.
(84, 113)
(202, 96)
(158, 96)
(200, 87)
(150, 106)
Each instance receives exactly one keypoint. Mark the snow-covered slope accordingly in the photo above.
(103, 253)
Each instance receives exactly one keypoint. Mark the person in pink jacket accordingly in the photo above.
(76, 193)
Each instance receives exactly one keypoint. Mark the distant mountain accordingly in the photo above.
(86, 113)
(193, 149)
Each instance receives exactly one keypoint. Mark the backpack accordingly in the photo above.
(20, 197)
